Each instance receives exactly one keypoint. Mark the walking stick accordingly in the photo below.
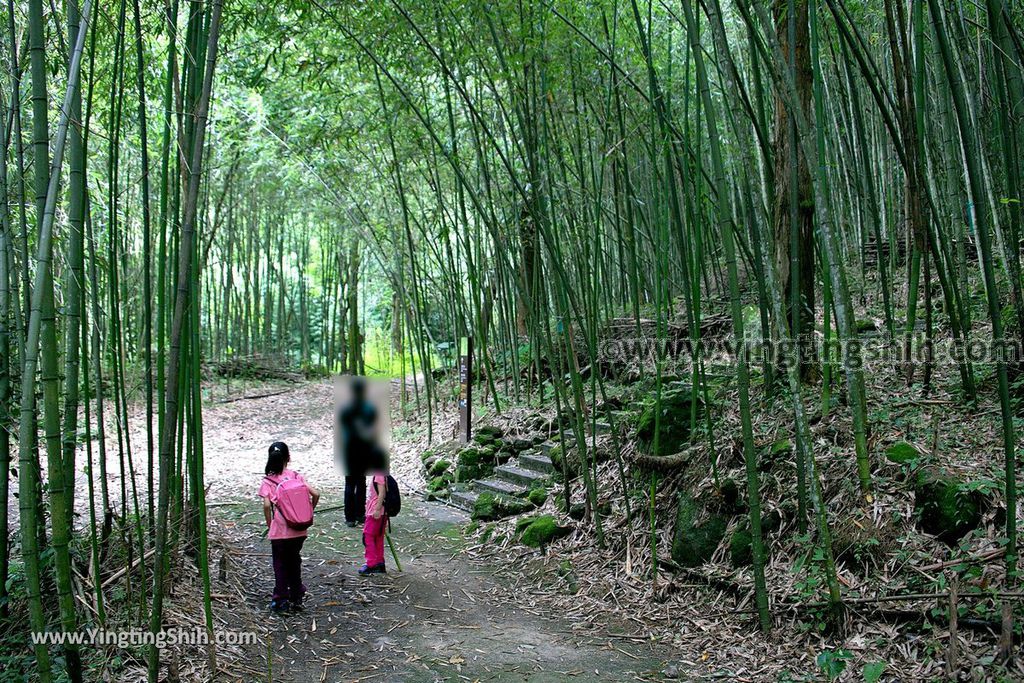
(391, 544)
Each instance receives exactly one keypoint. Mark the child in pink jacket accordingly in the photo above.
(376, 524)
(285, 542)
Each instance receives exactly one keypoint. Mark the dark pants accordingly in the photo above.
(288, 568)
(355, 499)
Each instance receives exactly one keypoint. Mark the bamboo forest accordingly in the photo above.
(511, 340)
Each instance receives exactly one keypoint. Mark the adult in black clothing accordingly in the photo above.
(357, 422)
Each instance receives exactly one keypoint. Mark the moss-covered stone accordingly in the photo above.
(557, 455)
(473, 463)
(439, 467)
(866, 325)
(487, 435)
(486, 507)
(579, 508)
(771, 521)
(902, 453)
(538, 496)
(694, 543)
(489, 506)
(518, 445)
(427, 455)
(741, 547)
(524, 522)
(672, 423)
(542, 531)
(439, 482)
(946, 509)
(730, 493)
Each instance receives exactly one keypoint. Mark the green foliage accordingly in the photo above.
(902, 453)
(873, 672)
(833, 662)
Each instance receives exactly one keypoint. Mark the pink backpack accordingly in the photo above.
(291, 498)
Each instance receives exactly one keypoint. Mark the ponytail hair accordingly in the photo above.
(277, 458)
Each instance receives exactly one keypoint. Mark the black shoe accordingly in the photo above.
(296, 606)
(278, 605)
(375, 569)
(350, 524)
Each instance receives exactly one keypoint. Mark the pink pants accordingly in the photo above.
(373, 539)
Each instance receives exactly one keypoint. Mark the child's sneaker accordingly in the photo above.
(278, 605)
(296, 606)
(375, 569)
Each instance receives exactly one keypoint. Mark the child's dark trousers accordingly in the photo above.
(288, 569)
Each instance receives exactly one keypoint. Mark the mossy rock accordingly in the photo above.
(902, 453)
(439, 467)
(514, 506)
(741, 547)
(518, 445)
(947, 510)
(694, 543)
(538, 496)
(473, 463)
(486, 507)
(489, 507)
(487, 435)
(426, 455)
(866, 325)
(440, 494)
(730, 494)
(557, 456)
(673, 422)
(542, 531)
(579, 508)
(439, 482)
(771, 522)
(484, 439)
(524, 522)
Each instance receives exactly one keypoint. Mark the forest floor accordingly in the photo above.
(474, 604)
(445, 616)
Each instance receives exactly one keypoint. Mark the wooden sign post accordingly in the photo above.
(465, 388)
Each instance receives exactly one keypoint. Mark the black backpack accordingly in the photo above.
(392, 498)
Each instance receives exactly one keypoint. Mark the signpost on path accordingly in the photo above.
(465, 388)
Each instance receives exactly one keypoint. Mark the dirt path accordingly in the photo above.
(445, 617)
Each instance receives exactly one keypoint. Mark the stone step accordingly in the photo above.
(544, 447)
(463, 499)
(501, 487)
(537, 462)
(520, 475)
